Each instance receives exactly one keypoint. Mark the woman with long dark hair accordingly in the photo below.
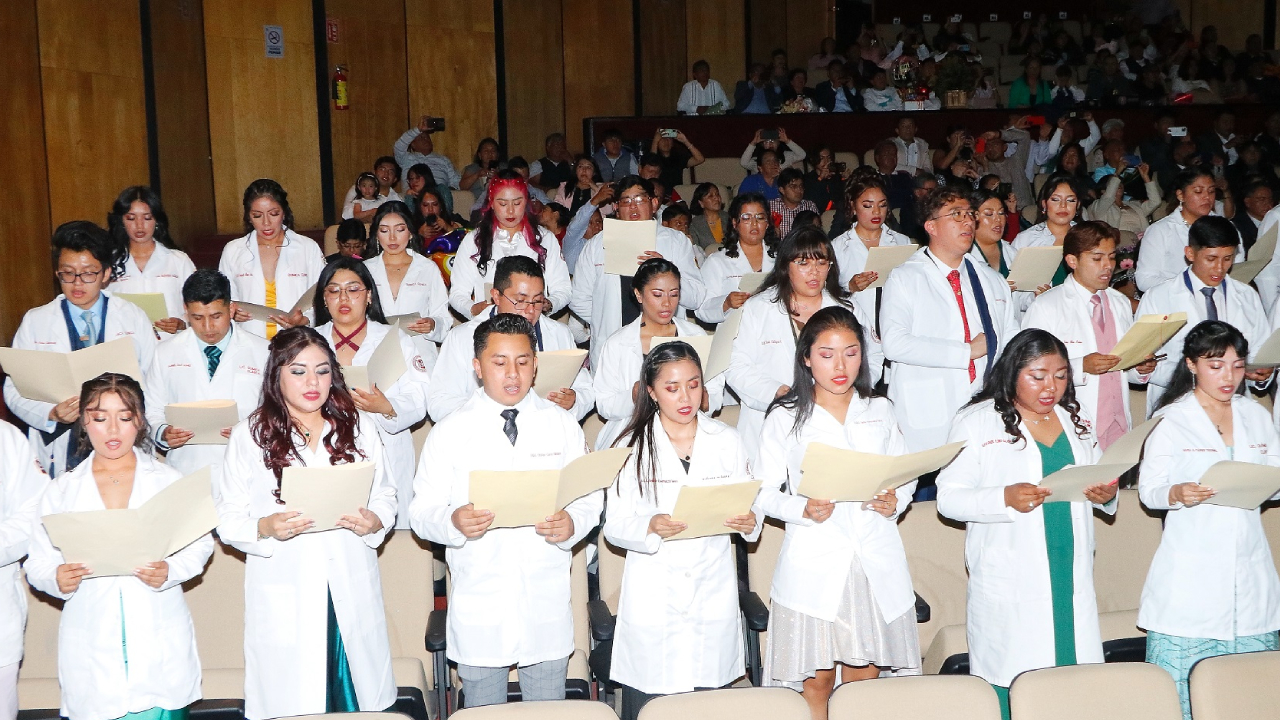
(842, 594)
(1160, 255)
(153, 264)
(1031, 600)
(586, 183)
(315, 635)
(710, 219)
(677, 630)
(750, 245)
(1212, 588)
(1061, 201)
(406, 281)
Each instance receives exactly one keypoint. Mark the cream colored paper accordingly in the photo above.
(404, 321)
(751, 282)
(1246, 271)
(385, 367)
(624, 242)
(705, 508)
(264, 313)
(1269, 354)
(883, 259)
(152, 304)
(205, 418)
(701, 344)
(52, 377)
(116, 542)
(518, 498)
(831, 473)
(1241, 484)
(1148, 334)
(717, 360)
(1069, 483)
(1259, 257)
(557, 369)
(325, 494)
(1035, 266)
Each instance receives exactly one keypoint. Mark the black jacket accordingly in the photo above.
(825, 94)
(745, 91)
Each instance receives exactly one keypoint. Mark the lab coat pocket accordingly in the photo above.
(993, 578)
(481, 608)
(925, 402)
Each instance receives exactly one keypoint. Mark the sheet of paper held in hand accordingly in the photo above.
(326, 493)
(1034, 267)
(116, 542)
(1241, 485)
(883, 259)
(1269, 354)
(1069, 483)
(557, 369)
(1259, 257)
(151, 303)
(518, 498)
(704, 508)
(831, 473)
(1148, 334)
(750, 282)
(701, 344)
(714, 350)
(624, 242)
(264, 313)
(385, 367)
(205, 418)
(50, 376)
(404, 321)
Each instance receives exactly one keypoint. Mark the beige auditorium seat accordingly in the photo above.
(462, 202)
(1125, 544)
(721, 170)
(935, 556)
(1038, 182)
(686, 191)
(850, 160)
(731, 704)
(930, 32)
(1231, 687)
(937, 697)
(888, 33)
(330, 240)
(869, 157)
(828, 217)
(1010, 68)
(999, 32)
(351, 716)
(554, 710)
(1132, 691)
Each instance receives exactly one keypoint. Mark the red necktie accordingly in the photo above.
(954, 278)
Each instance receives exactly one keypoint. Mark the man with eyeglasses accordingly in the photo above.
(606, 301)
(82, 316)
(518, 288)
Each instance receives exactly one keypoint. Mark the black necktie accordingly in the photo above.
(509, 427)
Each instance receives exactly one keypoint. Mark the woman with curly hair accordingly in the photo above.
(750, 245)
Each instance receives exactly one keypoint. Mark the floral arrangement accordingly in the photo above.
(1126, 262)
(798, 105)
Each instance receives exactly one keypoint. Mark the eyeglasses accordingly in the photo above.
(68, 278)
(538, 300)
(352, 290)
(811, 262)
(633, 200)
(958, 216)
(353, 244)
(749, 217)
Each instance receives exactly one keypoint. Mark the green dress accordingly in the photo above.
(340, 689)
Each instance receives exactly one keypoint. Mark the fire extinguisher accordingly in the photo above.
(341, 101)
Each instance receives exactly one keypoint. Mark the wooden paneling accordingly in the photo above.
(664, 67)
(94, 105)
(534, 74)
(599, 72)
(182, 119)
(25, 276)
(769, 32)
(262, 111)
(371, 45)
(1236, 20)
(808, 21)
(717, 33)
(452, 72)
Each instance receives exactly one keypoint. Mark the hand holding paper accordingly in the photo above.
(750, 282)
(1069, 483)
(1148, 334)
(265, 314)
(519, 498)
(703, 509)
(557, 370)
(56, 376)
(325, 494)
(883, 259)
(624, 242)
(1241, 485)
(830, 473)
(205, 418)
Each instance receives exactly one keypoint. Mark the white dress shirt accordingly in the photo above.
(693, 95)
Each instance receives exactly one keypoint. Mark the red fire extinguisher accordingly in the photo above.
(341, 101)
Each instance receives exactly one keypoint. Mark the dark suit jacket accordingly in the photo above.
(825, 94)
(745, 91)
(1248, 233)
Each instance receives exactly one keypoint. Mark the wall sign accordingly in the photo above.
(273, 35)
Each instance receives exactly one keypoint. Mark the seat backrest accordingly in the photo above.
(935, 556)
(1125, 543)
(730, 704)
(216, 602)
(762, 557)
(40, 644)
(828, 216)
(1134, 691)
(722, 170)
(462, 202)
(869, 157)
(331, 240)
(997, 31)
(1073, 29)
(926, 697)
(612, 561)
(850, 160)
(1229, 687)
(405, 563)
(685, 191)
(550, 710)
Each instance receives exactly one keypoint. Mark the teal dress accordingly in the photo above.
(155, 713)
(340, 689)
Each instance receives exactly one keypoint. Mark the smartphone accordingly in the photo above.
(838, 168)
(435, 124)
(1036, 119)
(1178, 131)
(956, 18)
(769, 135)
(1132, 161)
(980, 145)
(667, 133)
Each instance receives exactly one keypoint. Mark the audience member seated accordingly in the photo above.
(838, 93)
(415, 179)
(366, 202)
(554, 168)
(777, 139)
(1257, 197)
(434, 220)
(1249, 168)
(824, 183)
(702, 95)
(1025, 34)
(416, 146)
(1029, 89)
(651, 170)
(1062, 49)
(1065, 93)
(1108, 87)
(1269, 139)
(487, 161)
(881, 96)
(826, 55)
(614, 162)
(1149, 89)
(585, 185)
(898, 184)
(913, 152)
(959, 144)
(555, 218)
(1157, 151)
(1184, 77)
(387, 173)
(756, 95)
(1125, 212)
(779, 69)
(797, 96)
(674, 154)
(790, 201)
(710, 220)
(353, 241)
(764, 182)
(1222, 138)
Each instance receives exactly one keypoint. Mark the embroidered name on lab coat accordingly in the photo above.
(547, 454)
(997, 441)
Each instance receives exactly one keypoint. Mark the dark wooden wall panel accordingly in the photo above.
(534, 73)
(665, 67)
(598, 62)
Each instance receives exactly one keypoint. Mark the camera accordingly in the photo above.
(769, 135)
(838, 168)
(435, 124)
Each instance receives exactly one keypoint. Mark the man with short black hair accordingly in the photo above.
(1258, 200)
(790, 201)
(756, 95)
(702, 95)
(838, 92)
(555, 167)
(416, 146)
(613, 160)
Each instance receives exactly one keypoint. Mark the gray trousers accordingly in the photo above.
(488, 686)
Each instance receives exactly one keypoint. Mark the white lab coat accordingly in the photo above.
(467, 282)
(408, 397)
(454, 379)
(22, 483)
(851, 259)
(1212, 576)
(1010, 605)
(812, 574)
(297, 269)
(1038, 235)
(923, 336)
(44, 328)
(679, 627)
(597, 297)
(721, 275)
(1066, 312)
(180, 373)
(165, 273)
(163, 667)
(509, 596)
(1268, 280)
(1160, 254)
(764, 356)
(422, 290)
(618, 370)
(288, 583)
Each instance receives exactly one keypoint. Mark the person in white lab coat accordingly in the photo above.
(406, 281)
(750, 246)
(1090, 318)
(679, 627)
(518, 290)
(349, 316)
(1060, 206)
(315, 635)
(1212, 588)
(84, 262)
(617, 374)
(22, 484)
(1161, 253)
(605, 302)
(944, 319)
(1031, 599)
(126, 644)
(272, 265)
(1206, 291)
(153, 264)
(804, 280)
(988, 235)
(509, 595)
(841, 591)
(507, 227)
(210, 360)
